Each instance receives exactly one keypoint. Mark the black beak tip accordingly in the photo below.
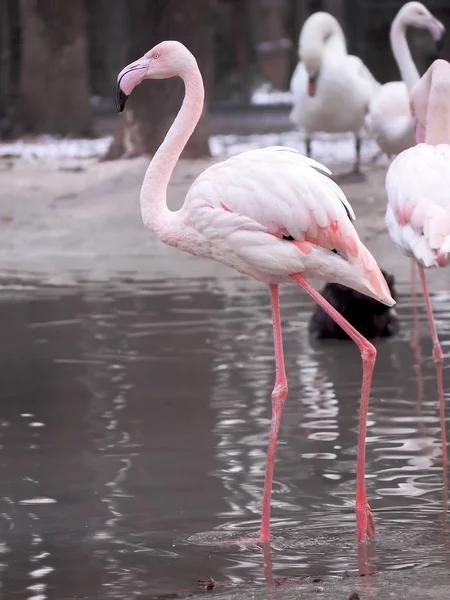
(121, 99)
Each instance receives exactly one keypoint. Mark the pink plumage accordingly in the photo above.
(232, 207)
(272, 214)
(418, 210)
(418, 188)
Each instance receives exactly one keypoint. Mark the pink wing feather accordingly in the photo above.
(418, 210)
(233, 205)
(279, 191)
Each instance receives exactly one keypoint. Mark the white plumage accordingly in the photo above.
(344, 85)
(418, 210)
(389, 119)
(270, 213)
(238, 211)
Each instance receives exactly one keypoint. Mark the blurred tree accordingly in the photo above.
(272, 39)
(9, 62)
(53, 87)
(152, 108)
(107, 35)
(242, 41)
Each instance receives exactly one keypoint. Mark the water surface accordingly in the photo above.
(134, 422)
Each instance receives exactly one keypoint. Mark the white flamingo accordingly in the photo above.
(331, 89)
(272, 214)
(418, 188)
(389, 119)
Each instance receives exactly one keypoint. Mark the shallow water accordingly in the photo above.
(133, 429)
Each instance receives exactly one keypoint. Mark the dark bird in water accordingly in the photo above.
(370, 317)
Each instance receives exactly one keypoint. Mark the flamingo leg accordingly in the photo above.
(437, 350)
(438, 359)
(358, 153)
(278, 397)
(365, 524)
(413, 283)
(308, 147)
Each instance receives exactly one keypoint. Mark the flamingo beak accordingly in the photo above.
(312, 86)
(127, 80)
(437, 30)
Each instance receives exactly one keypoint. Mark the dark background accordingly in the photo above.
(59, 59)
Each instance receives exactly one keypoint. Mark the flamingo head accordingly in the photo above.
(167, 59)
(415, 14)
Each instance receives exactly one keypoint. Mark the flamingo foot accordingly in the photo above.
(365, 525)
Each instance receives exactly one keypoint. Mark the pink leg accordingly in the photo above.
(364, 519)
(438, 359)
(413, 286)
(415, 342)
(278, 397)
(437, 350)
(415, 314)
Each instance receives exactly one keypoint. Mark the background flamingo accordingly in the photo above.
(389, 119)
(272, 214)
(418, 188)
(331, 89)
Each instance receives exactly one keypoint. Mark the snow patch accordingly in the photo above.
(267, 94)
(51, 147)
(326, 148)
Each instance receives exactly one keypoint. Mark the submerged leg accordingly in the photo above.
(308, 147)
(364, 519)
(413, 294)
(437, 350)
(438, 359)
(278, 397)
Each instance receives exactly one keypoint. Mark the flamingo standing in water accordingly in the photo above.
(272, 214)
(418, 189)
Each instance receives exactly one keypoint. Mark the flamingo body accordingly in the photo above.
(418, 209)
(418, 188)
(240, 211)
(389, 119)
(331, 89)
(344, 89)
(272, 214)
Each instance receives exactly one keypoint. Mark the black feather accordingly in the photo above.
(370, 317)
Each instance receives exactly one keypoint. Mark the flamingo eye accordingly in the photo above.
(156, 55)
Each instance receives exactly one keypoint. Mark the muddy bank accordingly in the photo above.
(431, 583)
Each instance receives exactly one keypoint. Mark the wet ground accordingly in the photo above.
(134, 421)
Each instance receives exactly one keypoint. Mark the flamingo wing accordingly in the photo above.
(273, 212)
(418, 210)
(276, 190)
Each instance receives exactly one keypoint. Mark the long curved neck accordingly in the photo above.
(402, 54)
(155, 213)
(438, 113)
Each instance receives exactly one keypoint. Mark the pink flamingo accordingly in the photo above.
(418, 184)
(272, 214)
